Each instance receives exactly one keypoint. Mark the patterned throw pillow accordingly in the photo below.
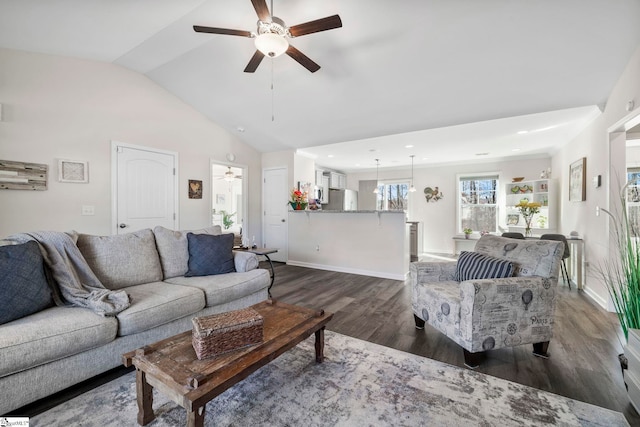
(23, 285)
(209, 254)
(472, 265)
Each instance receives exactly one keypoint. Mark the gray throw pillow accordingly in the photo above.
(23, 285)
(473, 265)
(210, 254)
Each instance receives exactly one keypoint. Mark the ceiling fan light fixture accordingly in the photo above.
(229, 176)
(272, 45)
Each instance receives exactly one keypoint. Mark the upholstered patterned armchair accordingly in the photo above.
(487, 314)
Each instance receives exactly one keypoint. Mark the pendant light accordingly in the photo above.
(375, 190)
(412, 188)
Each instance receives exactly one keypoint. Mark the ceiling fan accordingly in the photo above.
(272, 34)
(229, 176)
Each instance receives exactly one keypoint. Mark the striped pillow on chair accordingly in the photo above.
(473, 265)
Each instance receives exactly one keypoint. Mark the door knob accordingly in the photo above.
(282, 220)
(123, 225)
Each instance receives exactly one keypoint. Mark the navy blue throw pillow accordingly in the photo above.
(23, 285)
(473, 265)
(209, 254)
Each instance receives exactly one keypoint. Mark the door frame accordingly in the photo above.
(245, 190)
(114, 181)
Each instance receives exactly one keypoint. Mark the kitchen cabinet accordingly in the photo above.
(337, 180)
(540, 190)
(319, 176)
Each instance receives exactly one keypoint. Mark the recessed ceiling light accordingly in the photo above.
(547, 128)
(240, 129)
(425, 158)
(516, 149)
(357, 164)
(482, 154)
(330, 156)
(408, 146)
(522, 132)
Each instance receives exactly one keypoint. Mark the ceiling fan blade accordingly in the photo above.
(261, 9)
(256, 59)
(225, 31)
(324, 24)
(302, 59)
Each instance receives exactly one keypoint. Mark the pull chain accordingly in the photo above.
(273, 115)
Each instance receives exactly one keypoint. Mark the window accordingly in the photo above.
(478, 203)
(393, 196)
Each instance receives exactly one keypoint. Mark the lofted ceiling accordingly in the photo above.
(455, 78)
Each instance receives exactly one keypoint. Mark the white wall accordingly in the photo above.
(58, 107)
(593, 144)
(438, 218)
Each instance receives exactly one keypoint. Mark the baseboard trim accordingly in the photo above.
(595, 297)
(380, 274)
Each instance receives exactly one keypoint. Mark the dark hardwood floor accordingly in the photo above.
(584, 351)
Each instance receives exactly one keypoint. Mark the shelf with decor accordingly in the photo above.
(541, 191)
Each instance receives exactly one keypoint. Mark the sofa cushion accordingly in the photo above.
(210, 255)
(173, 248)
(23, 285)
(473, 265)
(52, 334)
(154, 304)
(122, 260)
(224, 288)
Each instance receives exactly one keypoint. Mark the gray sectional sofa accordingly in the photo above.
(60, 346)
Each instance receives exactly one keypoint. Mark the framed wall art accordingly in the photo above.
(195, 189)
(577, 180)
(76, 171)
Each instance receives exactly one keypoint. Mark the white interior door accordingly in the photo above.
(274, 200)
(145, 191)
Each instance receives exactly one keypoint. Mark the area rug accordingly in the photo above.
(359, 384)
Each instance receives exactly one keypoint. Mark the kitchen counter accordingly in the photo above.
(347, 212)
(372, 243)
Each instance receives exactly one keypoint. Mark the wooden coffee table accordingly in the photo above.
(172, 367)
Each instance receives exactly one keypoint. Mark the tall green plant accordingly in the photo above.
(621, 273)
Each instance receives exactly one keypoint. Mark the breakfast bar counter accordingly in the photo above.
(372, 243)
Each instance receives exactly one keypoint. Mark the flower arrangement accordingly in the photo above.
(528, 210)
(299, 199)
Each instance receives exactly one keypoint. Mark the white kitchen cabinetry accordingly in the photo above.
(542, 191)
(319, 175)
(337, 180)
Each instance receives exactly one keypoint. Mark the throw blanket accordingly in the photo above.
(78, 284)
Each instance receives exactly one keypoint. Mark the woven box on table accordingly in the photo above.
(221, 333)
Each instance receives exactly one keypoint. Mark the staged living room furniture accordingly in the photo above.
(483, 314)
(172, 367)
(162, 276)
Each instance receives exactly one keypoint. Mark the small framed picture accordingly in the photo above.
(195, 189)
(577, 180)
(76, 171)
(513, 219)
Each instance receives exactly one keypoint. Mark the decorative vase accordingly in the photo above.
(527, 230)
(466, 236)
(298, 206)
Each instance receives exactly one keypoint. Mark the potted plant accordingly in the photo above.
(621, 272)
(467, 232)
(299, 200)
(227, 222)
